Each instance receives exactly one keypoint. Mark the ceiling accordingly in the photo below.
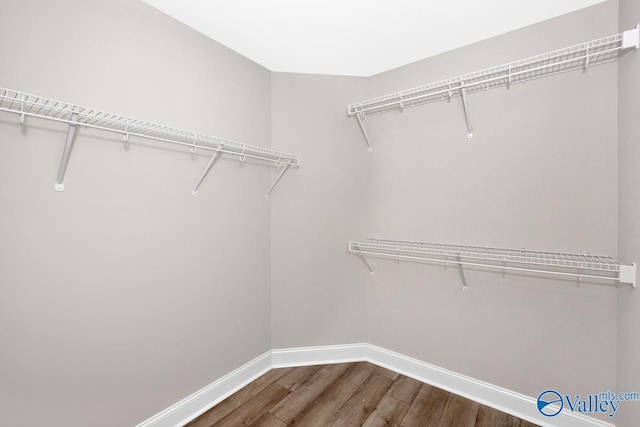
(355, 37)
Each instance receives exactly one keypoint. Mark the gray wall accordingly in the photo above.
(124, 294)
(540, 173)
(316, 298)
(629, 215)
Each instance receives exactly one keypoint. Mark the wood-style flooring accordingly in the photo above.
(348, 394)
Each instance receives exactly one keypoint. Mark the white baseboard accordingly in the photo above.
(496, 397)
(321, 355)
(202, 400)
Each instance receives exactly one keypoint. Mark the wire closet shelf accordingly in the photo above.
(557, 263)
(578, 57)
(28, 105)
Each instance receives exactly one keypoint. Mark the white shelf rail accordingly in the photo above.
(585, 265)
(578, 57)
(27, 105)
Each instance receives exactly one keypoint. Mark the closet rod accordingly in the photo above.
(555, 263)
(28, 105)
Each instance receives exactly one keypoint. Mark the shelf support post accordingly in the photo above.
(21, 109)
(212, 160)
(125, 136)
(366, 263)
(463, 92)
(462, 276)
(67, 152)
(282, 172)
(360, 118)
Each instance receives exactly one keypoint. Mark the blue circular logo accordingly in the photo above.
(547, 398)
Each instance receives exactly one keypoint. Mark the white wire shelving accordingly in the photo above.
(582, 266)
(578, 57)
(27, 105)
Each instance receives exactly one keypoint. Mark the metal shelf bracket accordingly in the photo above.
(465, 287)
(212, 160)
(285, 168)
(68, 145)
(21, 109)
(125, 136)
(463, 93)
(366, 263)
(360, 117)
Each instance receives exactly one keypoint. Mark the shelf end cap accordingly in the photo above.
(628, 274)
(631, 38)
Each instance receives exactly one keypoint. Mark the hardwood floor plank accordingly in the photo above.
(361, 403)
(297, 376)
(405, 389)
(254, 408)
(308, 391)
(268, 420)
(427, 408)
(384, 372)
(331, 399)
(225, 407)
(388, 413)
(489, 417)
(459, 412)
